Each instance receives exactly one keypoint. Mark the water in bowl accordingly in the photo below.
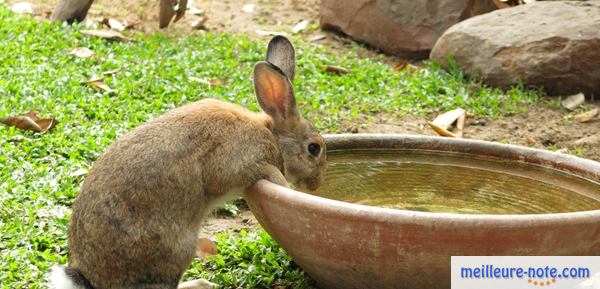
(453, 183)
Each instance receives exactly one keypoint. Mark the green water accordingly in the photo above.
(454, 183)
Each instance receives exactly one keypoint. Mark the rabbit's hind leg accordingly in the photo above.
(196, 284)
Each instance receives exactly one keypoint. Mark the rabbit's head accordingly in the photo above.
(302, 146)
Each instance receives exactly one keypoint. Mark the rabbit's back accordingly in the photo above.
(139, 206)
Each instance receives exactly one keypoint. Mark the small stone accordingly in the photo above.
(573, 101)
(22, 8)
(248, 8)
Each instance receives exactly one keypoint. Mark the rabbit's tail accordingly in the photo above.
(68, 278)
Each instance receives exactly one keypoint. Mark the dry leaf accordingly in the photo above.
(30, 121)
(22, 8)
(444, 121)
(248, 8)
(460, 125)
(105, 34)
(441, 131)
(79, 172)
(114, 24)
(99, 85)
(586, 116)
(196, 11)
(199, 23)
(208, 82)
(300, 26)
(573, 101)
(336, 69)
(217, 81)
(111, 72)
(501, 5)
(402, 63)
(590, 140)
(269, 33)
(82, 52)
(93, 79)
(206, 247)
(317, 37)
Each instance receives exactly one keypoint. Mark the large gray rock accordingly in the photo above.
(551, 44)
(405, 28)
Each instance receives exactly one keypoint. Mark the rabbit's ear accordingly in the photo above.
(280, 53)
(274, 93)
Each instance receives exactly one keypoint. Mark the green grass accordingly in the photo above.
(250, 260)
(40, 174)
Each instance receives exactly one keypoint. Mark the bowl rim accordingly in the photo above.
(573, 164)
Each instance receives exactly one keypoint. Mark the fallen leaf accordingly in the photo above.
(593, 140)
(22, 8)
(501, 5)
(208, 82)
(196, 11)
(199, 23)
(270, 33)
(402, 63)
(441, 131)
(590, 140)
(107, 34)
(82, 52)
(444, 121)
(93, 79)
(460, 125)
(573, 101)
(99, 85)
(586, 116)
(248, 8)
(114, 24)
(30, 121)
(79, 172)
(216, 81)
(206, 247)
(300, 26)
(317, 37)
(336, 69)
(131, 25)
(111, 72)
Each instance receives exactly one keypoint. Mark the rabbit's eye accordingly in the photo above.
(314, 149)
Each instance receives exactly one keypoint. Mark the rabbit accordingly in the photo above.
(135, 220)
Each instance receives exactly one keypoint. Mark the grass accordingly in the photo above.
(41, 173)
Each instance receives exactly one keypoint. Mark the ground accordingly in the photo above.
(42, 169)
(545, 125)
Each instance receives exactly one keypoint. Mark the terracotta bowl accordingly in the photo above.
(343, 245)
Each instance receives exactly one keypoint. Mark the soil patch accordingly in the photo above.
(541, 126)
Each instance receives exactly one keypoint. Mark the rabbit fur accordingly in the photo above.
(135, 220)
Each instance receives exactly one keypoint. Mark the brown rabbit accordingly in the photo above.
(136, 218)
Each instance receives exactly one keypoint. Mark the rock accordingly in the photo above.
(555, 45)
(404, 28)
(573, 101)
